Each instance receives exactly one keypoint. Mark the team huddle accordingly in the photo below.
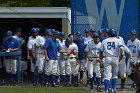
(59, 59)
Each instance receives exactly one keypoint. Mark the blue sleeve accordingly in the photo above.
(58, 49)
(4, 44)
(17, 44)
(47, 43)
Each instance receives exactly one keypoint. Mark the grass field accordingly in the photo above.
(42, 90)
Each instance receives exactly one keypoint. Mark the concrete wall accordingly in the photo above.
(66, 26)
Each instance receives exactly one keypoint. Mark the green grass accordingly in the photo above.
(42, 90)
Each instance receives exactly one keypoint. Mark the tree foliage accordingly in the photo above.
(35, 3)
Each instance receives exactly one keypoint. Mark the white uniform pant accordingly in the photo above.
(82, 64)
(51, 67)
(94, 67)
(11, 65)
(129, 66)
(111, 68)
(97, 69)
(40, 63)
(122, 68)
(65, 67)
(74, 66)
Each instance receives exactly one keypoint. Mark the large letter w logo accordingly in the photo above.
(99, 10)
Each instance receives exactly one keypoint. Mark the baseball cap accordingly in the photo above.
(37, 29)
(95, 35)
(105, 30)
(68, 39)
(18, 29)
(55, 33)
(48, 32)
(78, 33)
(61, 33)
(133, 32)
(87, 30)
(9, 33)
(34, 30)
(52, 30)
(92, 30)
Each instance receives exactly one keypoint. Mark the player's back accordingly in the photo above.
(110, 47)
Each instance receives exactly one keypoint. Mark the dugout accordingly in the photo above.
(58, 18)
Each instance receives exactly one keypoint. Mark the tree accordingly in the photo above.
(35, 3)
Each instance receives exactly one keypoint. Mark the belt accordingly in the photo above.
(40, 53)
(71, 57)
(64, 58)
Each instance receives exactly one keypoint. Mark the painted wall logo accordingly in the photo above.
(105, 13)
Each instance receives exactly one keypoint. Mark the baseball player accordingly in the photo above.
(17, 36)
(61, 40)
(73, 61)
(51, 48)
(104, 33)
(112, 52)
(65, 67)
(134, 45)
(11, 45)
(39, 55)
(93, 53)
(92, 32)
(122, 64)
(31, 53)
(87, 38)
(81, 54)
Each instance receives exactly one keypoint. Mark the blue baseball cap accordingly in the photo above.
(133, 32)
(37, 29)
(92, 30)
(9, 33)
(100, 32)
(112, 31)
(48, 32)
(95, 35)
(87, 30)
(55, 33)
(68, 39)
(18, 29)
(52, 30)
(61, 33)
(78, 34)
(105, 30)
(34, 30)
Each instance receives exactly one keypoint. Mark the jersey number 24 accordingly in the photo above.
(110, 45)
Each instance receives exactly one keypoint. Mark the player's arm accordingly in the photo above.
(36, 53)
(127, 50)
(46, 46)
(17, 46)
(138, 52)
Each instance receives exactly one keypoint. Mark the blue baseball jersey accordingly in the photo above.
(52, 46)
(81, 48)
(13, 43)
